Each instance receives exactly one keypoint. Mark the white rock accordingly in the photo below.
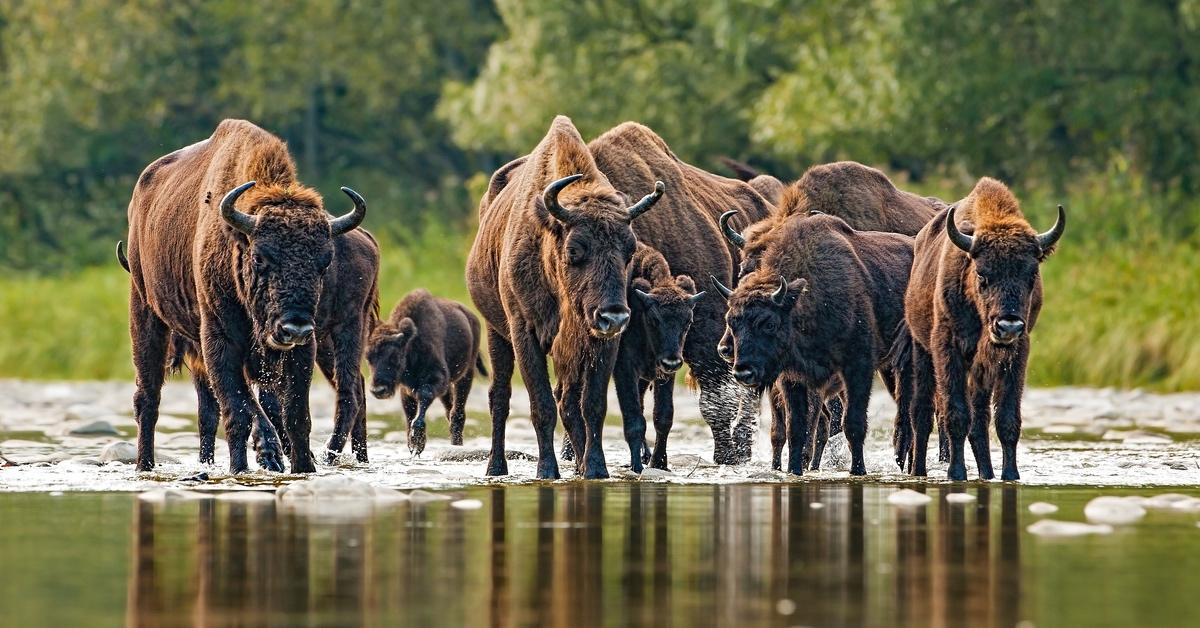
(94, 428)
(1042, 508)
(816, 505)
(649, 473)
(1050, 527)
(1113, 510)
(120, 451)
(1167, 500)
(908, 497)
(960, 498)
(327, 488)
(467, 504)
(166, 495)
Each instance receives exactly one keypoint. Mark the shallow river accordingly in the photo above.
(591, 554)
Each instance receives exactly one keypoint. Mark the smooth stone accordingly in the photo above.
(98, 427)
(651, 472)
(467, 504)
(1052, 528)
(908, 497)
(1042, 508)
(960, 498)
(120, 451)
(334, 487)
(1113, 510)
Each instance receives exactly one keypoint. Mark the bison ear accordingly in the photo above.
(685, 283)
(406, 327)
(795, 289)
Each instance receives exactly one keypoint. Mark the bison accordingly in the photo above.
(974, 296)
(240, 283)
(429, 348)
(684, 229)
(822, 310)
(549, 271)
(348, 309)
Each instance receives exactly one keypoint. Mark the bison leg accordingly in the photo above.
(664, 418)
(901, 425)
(532, 362)
(594, 409)
(951, 377)
(858, 380)
(149, 335)
(270, 404)
(568, 448)
(208, 416)
(339, 362)
(458, 409)
(717, 392)
(795, 396)
(499, 393)
(977, 435)
(297, 367)
(416, 427)
(569, 395)
(820, 428)
(921, 409)
(1008, 411)
(225, 364)
(778, 426)
(629, 399)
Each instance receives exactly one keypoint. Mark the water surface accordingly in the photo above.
(596, 554)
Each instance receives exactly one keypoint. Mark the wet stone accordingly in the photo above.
(94, 428)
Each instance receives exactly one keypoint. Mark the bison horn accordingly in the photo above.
(648, 200)
(121, 255)
(644, 296)
(960, 239)
(695, 298)
(780, 293)
(721, 289)
(550, 197)
(347, 222)
(734, 237)
(1050, 238)
(242, 222)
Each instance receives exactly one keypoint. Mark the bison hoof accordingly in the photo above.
(497, 465)
(957, 473)
(548, 470)
(331, 457)
(1010, 475)
(858, 468)
(987, 474)
(145, 465)
(304, 465)
(271, 461)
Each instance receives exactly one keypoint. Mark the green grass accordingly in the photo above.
(1121, 297)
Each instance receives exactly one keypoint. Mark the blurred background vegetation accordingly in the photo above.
(415, 103)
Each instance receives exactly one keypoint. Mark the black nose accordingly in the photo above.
(670, 364)
(380, 392)
(611, 319)
(744, 374)
(726, 352)
(295, 333)
(1009, 326)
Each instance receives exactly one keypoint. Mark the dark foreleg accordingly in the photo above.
(1008, 410)
(796, 399)
(664, 418)
(981, 414)
(458, 409)
(532, 362)
(921, 409)
(499, 393)
(149, 338)
(632, 418)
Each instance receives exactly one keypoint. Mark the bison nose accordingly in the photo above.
(380, 391)
(1009, 326)
(726, 352)
(295, 333)
(670, 364)
(744, 375)
(611, 320)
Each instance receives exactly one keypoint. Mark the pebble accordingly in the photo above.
(1042, 508)
(960, 498)
(94, 428)
(1050, 527)
(120, 451)
(908, 497)
(1114, 510)
(327, 488)
(816, 505)
(649, 473)
(467, 504)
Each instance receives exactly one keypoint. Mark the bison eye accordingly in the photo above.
(575, 255)
(981, 279)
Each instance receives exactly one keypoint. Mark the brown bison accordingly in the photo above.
(348, 309)
(549, 271)
(429, 348)
(822, 311)
(974, 297)
(684, 229)
(242, 284)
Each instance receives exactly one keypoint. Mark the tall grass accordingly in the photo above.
(1122, 303)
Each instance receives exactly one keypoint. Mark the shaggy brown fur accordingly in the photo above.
(248, 300)
(428, 348)
(831, 324)
(684, 229)
(552, 286)
(970, 312)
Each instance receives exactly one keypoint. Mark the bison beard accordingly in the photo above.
(972, 302)
(244, 284)
(549, 271)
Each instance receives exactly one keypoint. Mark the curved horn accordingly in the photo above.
(1050, 238)
(242, 222)
(721, 289)
(348, 222)
(644, 296)
(121, 255)
(648, 200)
(695, 298)
(781, 292)
(550, 197)
(960, 239)
(734, 237)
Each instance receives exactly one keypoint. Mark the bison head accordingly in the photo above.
(387, 353)
(289, 247)
(665, 312)
(595, 244)
(758, 327)
(751, 242)
(1004, 271)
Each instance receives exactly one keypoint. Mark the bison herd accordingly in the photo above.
(610, 260)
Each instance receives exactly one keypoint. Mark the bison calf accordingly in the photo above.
(429, 348)
(974, 297)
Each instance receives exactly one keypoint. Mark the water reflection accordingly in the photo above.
(581, 554)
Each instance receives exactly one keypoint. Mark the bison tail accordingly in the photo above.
(741, 170)
(900, 355)
(480, 367)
